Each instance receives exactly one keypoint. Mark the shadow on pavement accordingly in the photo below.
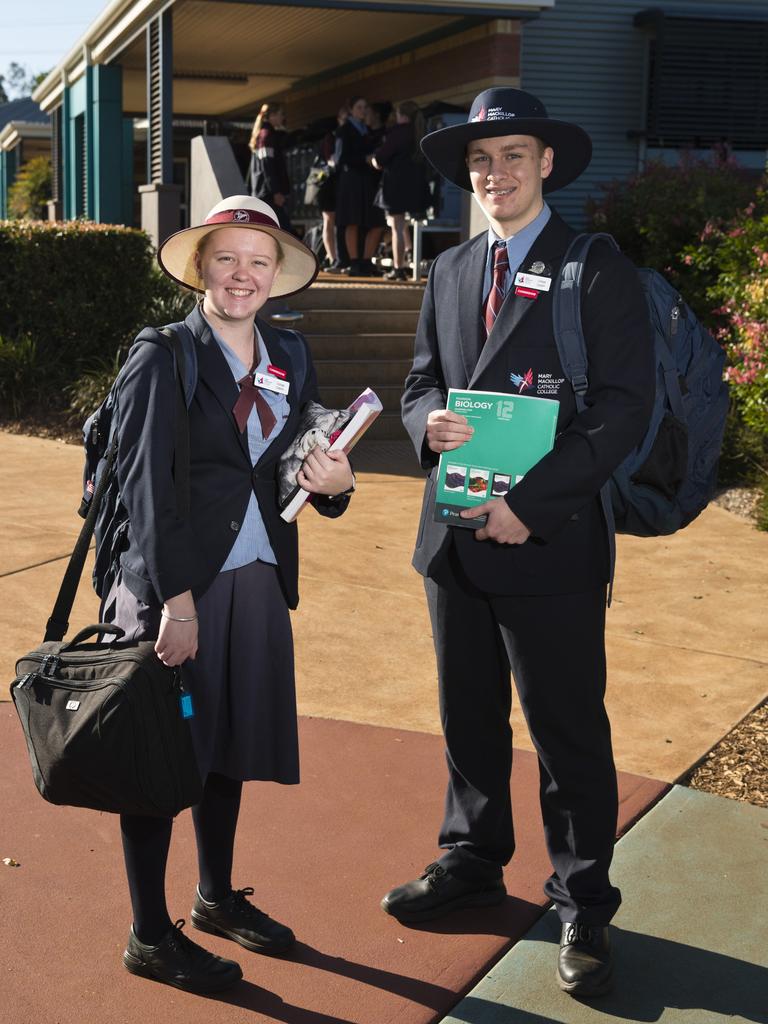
(653, 975)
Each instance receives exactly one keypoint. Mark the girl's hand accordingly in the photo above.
(326, 473)
(177, 641)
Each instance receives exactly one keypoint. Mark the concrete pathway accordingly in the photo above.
(687, 637)
(690, 939)
(687, 660)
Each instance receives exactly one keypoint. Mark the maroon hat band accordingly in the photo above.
(241, 216)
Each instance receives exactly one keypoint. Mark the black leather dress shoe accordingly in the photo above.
(438, 892)
(584, 965)
(237, 919)
(180, 962)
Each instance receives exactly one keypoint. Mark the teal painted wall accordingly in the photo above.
(93, 144)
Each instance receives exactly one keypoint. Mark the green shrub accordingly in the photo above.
(734, 257)
(31, 190)
(78, 289)
(89, 390)
(657, 214)
(20, 382)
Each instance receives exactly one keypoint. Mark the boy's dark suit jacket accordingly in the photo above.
(558, 498)
(166, 555)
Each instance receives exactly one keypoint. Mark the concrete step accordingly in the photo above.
(340, 396)
(360, 346)
(355, 296)
(386, 427)
(370, 373)
(358, 321)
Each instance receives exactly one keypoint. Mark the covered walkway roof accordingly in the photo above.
(229, 55)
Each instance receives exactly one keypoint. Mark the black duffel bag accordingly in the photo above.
(105, 723)
(104, 726)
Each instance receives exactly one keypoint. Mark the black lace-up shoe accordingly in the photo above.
(438, 892)
(180, 962)
(237, 919)
(584, 965)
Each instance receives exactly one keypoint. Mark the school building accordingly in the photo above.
(150, 75)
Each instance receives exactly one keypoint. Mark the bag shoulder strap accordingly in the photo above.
(572, 349)
(58, 621)
(566, 312)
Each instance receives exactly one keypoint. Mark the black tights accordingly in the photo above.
(146, 842)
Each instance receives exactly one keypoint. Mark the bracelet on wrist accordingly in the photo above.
(349, 490)
(179, 618)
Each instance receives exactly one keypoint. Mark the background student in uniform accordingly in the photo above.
(527, 591)
(268, 173)
(214, 589)
(403, 190)
(357, 182)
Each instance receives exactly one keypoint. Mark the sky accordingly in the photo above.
(38, 33)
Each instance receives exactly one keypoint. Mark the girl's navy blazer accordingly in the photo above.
(167, 555)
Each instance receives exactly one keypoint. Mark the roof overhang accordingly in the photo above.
(16, 131)
(206, 47)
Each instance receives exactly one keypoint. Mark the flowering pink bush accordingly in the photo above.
(736, 258)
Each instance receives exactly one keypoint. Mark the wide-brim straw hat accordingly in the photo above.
(298, 267)
(498, 112)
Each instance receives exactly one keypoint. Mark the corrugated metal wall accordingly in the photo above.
(586, 61)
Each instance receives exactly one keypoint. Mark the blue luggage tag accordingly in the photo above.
(187, 708)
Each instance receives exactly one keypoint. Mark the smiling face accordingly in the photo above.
(506, 175)
(238, 267)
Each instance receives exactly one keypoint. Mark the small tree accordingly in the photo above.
(28, 195)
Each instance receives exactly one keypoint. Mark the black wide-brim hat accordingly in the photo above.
(498, 112)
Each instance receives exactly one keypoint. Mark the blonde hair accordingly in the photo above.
(266, 112)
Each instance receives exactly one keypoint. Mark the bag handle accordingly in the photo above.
(99, 627)
(58, 622)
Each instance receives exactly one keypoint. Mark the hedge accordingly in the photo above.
(76, 288)
(73, 295)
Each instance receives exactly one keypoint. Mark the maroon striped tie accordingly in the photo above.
(496, 294)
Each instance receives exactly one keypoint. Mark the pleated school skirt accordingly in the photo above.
(242, 680)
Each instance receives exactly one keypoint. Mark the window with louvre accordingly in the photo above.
(707, 81)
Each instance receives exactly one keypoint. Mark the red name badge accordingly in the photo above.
(277, 372)
(527, 293)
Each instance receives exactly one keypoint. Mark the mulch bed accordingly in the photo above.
(736, 768)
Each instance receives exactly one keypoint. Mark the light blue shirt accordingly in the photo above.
(252, 542)
(517, 249)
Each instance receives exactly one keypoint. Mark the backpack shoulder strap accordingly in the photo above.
(181, 358)
(188, 356)
(566, 312)
(572, 349)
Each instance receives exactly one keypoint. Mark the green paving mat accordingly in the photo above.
(691, 938)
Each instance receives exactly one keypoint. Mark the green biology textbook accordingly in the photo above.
(512, 433)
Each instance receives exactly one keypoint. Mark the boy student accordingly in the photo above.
(527, 591)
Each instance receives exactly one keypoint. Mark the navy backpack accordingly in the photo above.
(671, 475)
(100, 443)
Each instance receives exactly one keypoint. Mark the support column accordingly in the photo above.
(9, 165)
(105, 172)
(55, 205)
(160, 197)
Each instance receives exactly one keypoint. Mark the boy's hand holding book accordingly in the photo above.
(447, 430)
(503, 526)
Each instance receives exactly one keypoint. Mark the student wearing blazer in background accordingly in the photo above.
(213, 589)
(527, 591)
